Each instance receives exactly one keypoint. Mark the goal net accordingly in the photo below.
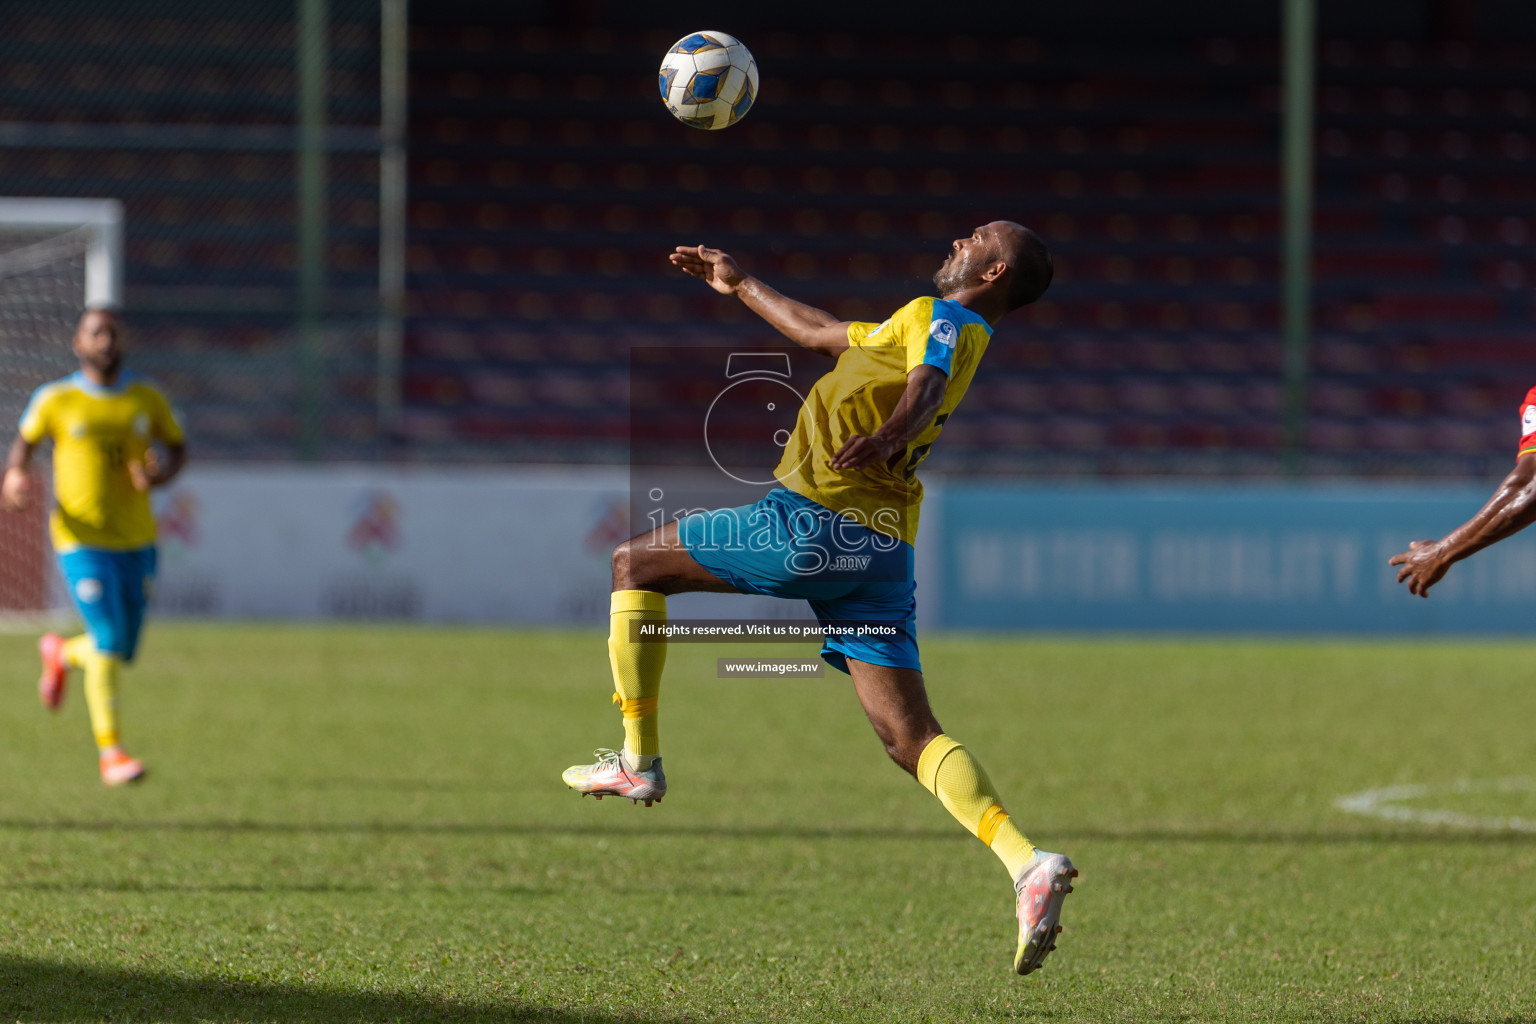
(56, 256)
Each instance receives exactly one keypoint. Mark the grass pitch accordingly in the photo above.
(368, 825)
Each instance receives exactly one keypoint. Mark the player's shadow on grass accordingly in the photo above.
(650, 829)
(213, 888)
(376, 785)
(64, 993)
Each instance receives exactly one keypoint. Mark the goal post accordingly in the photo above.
(97, 222)
(57, 256)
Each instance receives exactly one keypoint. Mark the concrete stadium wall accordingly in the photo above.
(532, 546)
(389, 543)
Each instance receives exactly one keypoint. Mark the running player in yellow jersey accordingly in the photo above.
(839, 534)
(104, 423)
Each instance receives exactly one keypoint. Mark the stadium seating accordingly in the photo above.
(543, 203)
(1152, 174)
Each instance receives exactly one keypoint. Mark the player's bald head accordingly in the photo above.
(1029, 262)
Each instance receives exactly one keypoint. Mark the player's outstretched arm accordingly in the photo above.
(807, 326)
(913, 413)
(16, 485)
(1511, 509)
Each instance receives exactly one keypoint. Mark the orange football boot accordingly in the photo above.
(118, 769)
(50, 685)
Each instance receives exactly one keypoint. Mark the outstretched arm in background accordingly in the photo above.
(807, 326)
(1511, 509)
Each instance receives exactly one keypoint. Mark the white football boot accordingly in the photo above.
(611, 776)
(1042, 887)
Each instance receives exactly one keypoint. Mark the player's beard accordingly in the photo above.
(956, 272)
(107, 363)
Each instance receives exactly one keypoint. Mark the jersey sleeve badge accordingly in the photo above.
(1528, 424)
(938, 346)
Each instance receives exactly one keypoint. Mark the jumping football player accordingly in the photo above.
(104, 423)
(849, 485)
(1511, 509)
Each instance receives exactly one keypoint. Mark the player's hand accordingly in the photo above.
(16, 490)
(711, 266)
(138, 476)
(148, 472)
(1423, 565)
(860, 451)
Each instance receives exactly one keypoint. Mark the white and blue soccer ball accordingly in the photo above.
(708, 80)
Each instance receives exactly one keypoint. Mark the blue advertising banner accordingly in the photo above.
(1192, 559)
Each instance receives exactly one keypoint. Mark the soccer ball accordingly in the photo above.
(708, 80)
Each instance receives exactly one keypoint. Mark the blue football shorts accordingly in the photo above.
(111, 590)
(859, 582)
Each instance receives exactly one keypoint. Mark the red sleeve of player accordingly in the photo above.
(1528, 423)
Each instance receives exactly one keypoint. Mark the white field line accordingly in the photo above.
(1387, 803)
(21, 623)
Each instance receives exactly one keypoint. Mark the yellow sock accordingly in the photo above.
(637, 668)
(101, 696)
(77, 649)
(950, 773)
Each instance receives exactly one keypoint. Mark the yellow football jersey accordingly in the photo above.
(859, 395)
(96, 432)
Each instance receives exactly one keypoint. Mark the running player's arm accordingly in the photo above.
(915, 410)
(16, 486)
(806, 326)
(176, 459)
(155, 471)
(1511, 509)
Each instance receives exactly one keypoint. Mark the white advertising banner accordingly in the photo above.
(391, 543)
